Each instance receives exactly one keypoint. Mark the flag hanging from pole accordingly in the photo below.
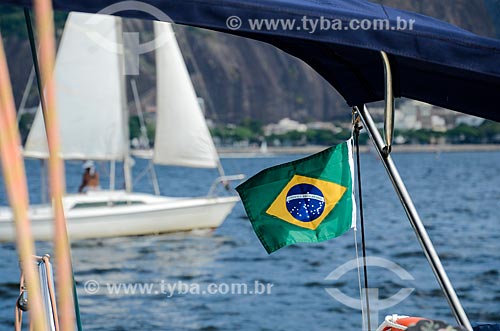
(307, 200)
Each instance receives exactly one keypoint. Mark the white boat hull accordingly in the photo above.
(114, 213)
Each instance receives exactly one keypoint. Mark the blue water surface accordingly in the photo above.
(457, 195)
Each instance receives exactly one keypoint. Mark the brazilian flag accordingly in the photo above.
(307, 200)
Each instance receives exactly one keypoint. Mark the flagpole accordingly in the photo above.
(415, 221)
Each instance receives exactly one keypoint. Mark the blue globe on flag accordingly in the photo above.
(305, 202)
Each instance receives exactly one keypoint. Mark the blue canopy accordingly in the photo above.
(435, 62)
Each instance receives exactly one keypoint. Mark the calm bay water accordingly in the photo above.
(457, 195)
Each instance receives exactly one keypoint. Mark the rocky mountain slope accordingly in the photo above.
(240, 78)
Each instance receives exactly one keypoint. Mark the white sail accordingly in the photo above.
(182, 136)
(89, 92)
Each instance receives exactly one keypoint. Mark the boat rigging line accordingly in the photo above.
(46, 37)
(144, 140)
(17, 189)
(34, 55)
(357, 129)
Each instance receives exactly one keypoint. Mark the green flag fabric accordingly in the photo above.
(307, 200)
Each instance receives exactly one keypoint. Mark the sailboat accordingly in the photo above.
(93, 121)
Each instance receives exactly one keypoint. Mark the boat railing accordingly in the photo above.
(224, 181)
(47, 292)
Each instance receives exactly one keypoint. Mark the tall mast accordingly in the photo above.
(127, 175)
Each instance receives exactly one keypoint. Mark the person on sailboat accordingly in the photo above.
(90, 178)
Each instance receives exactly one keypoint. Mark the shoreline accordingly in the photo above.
(444, 148)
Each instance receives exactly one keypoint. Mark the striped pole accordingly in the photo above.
(17, 191)
(46, 39)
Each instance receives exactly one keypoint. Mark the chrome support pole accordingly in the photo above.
(389, 105)
(415, 221)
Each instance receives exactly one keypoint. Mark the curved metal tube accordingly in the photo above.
(389, 104)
